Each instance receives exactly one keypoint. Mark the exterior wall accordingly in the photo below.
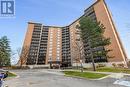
(54, 45)
(28, 36)
(89, 65)
(43, 46)
(75, 54)
(104, 17)
(102, 14)
(34, 49)
(27, 40)
(66, 53)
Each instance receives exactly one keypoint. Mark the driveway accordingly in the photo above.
(53, 78)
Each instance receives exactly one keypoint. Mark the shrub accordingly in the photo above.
(121, 65)
(100, 65)
(114, 65)
(19, 67)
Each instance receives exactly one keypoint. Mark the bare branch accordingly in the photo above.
(23, 55)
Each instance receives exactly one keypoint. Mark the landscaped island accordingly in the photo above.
(88, 75)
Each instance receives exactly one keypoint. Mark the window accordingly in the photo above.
(58, 48)
(78, 35)
(50, 45)
(51, 42)
(58, 30)
(58, 54)
(50, 59)
(59, 37)
(50, 48)
(58, 42)
(58, 51)
(58, 58)
(50, 54)
(50, 51)
(58, 45)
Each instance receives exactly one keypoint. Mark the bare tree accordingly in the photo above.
(79, 45)
(23, 55)
(13, 58)
(75, 55)
(78, 50)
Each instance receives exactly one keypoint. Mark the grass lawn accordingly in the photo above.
(11, 75)
(116, 70)
(84, 74)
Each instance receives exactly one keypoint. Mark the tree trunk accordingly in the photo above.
(21, 63)
(93, 63)
(92, 58)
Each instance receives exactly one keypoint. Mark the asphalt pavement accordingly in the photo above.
(52, 78)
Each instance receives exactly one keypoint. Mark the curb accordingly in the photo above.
(107, 75)
(9, 78)
(86, 78)
(17, 76)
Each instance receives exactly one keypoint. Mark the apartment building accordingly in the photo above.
(57, 45)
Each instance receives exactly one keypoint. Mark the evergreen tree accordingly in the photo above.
(92, 36)
(5, 51)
